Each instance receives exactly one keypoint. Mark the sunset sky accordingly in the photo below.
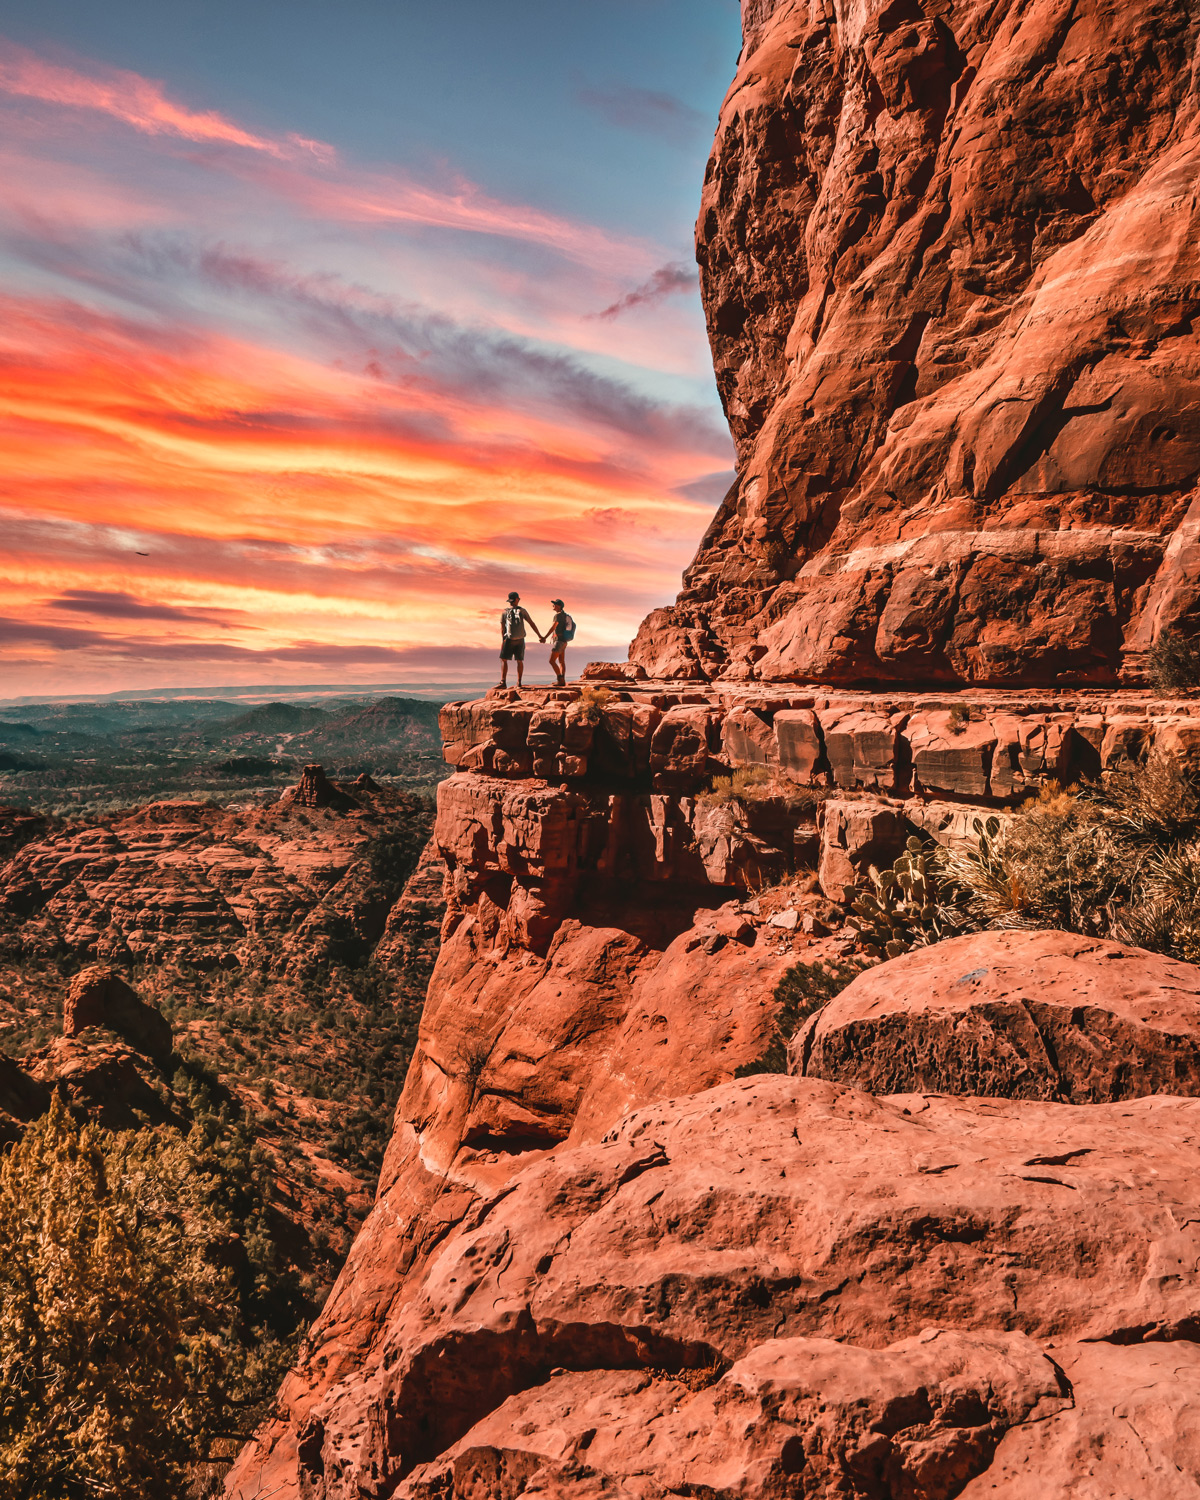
(349, 315)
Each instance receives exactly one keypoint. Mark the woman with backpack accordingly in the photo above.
(562, 628)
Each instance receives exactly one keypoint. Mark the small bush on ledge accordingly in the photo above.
(747, 783)
(594, 700)
(1173, 663)
(803, 990)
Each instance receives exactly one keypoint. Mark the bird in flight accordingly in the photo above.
(143, 554)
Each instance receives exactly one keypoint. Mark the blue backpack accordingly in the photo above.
(569, 628)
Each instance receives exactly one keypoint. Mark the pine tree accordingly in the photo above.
(111, 1313)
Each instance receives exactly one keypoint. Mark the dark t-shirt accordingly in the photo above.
(559, 624)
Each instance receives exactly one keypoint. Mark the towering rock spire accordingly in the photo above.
(950, 267)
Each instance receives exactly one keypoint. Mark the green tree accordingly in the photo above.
(111, 1311)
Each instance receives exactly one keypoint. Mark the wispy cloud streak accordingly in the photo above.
(138, 102)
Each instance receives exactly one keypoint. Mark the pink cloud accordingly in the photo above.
(348, 196)
(379, 197)
(138, 102)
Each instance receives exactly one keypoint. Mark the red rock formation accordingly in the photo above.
(314, 789)
(1026, 1015)
(792, 1417)
(99, 996)
(948, 257)
(286, 884)
(730, 1230)
(107, 1082)
(1149, 1450)
(606, 946)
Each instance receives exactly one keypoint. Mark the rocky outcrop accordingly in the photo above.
(1023, 1015)
(948, 258)
(676, 1300)
(948, 266)
(99, 996)
(616, 926)
(107, 1082)
(792, 1417)
(1131, 1429)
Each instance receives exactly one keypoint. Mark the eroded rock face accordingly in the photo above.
(285, 885)
(1132, 1428)
(759, 1229)
(794, 1417)
(1023, 1015)
(948, 256)
(99, 996)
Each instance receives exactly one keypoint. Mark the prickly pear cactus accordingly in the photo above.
(901, 909)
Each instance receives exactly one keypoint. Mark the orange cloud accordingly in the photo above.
(273, 469)
(283, 503)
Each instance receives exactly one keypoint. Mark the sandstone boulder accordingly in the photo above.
(98, 996)
(855, 836)
(794, 1417)
(1023, 1015)
(1132, 1428)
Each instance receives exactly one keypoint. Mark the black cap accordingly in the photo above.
(558, 602)
(514, 594)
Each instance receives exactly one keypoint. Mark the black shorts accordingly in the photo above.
(512, 650)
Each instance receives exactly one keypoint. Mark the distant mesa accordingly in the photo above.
(250, 765)
(274, 718)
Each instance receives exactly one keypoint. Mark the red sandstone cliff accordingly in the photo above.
(949, 260)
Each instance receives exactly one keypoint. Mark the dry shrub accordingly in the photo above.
(746, 784)
(1155, 803)
(593, 700)
(1058, 862)
(1173, 663)
(803, 990)
(1166, 917)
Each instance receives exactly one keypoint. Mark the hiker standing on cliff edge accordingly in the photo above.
(512, 637)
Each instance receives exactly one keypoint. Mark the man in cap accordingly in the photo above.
(513, 620)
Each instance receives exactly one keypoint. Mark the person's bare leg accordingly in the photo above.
(504, 671)
(520, 674)
(558, 660)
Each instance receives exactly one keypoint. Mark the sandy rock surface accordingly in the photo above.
(753, 1229)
